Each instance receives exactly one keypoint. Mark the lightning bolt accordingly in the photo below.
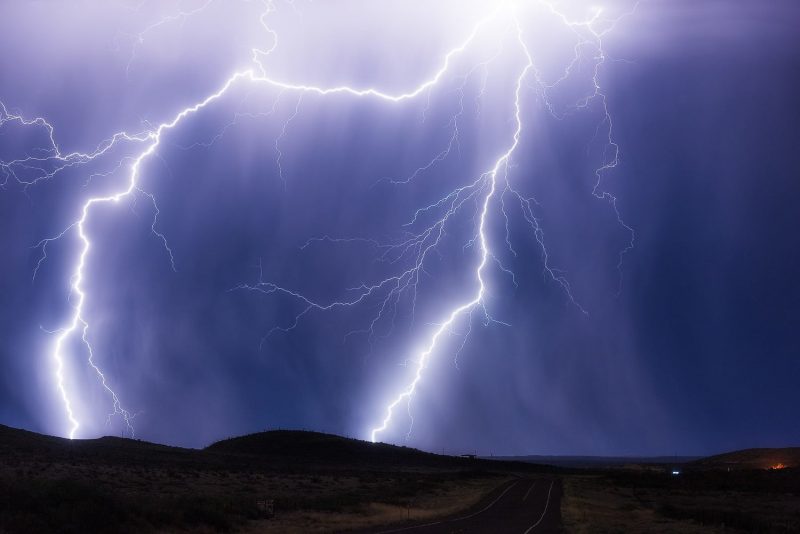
(412, 251)
(491, 175)
(591, 25)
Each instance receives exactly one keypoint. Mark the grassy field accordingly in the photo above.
(442, 498)
(318, 483)
(592, 504)
(698, 500)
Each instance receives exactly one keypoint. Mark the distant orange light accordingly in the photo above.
(778, 466)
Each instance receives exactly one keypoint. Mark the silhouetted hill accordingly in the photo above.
(17, 444)
(787, 457)
(278, 449)
(316, 448)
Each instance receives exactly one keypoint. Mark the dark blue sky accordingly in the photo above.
(697, 353)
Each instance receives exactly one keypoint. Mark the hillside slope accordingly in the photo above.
(318, 449)
(753, 459)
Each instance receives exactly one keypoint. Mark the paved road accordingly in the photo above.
(524, 506)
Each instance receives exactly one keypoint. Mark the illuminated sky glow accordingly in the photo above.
(249, 217)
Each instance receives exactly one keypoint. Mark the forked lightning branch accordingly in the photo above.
(491, 192)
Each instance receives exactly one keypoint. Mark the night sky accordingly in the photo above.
(690, 345)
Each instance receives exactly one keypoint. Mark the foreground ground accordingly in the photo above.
(696, 500)
(314, 483)
(322, 483)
